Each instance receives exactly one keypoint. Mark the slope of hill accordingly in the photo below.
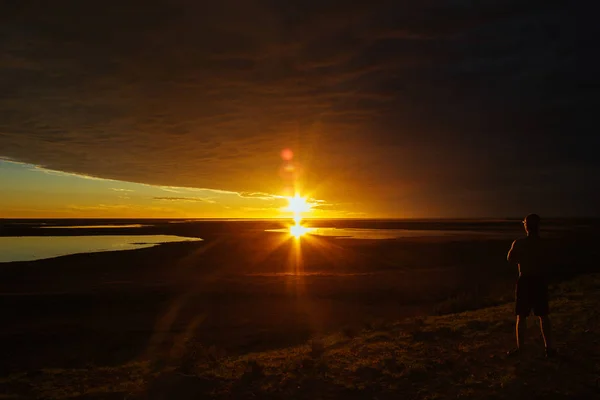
(439, 357)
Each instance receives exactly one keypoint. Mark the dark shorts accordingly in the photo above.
(532, 294)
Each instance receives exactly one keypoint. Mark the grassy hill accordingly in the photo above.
(439, 357)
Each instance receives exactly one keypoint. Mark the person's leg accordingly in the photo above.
(522, 310)
(521, 331)
(546, 327)
(542, 309)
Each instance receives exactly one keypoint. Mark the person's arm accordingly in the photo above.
(513, 254)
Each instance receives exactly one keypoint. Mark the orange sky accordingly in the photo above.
(33, 192)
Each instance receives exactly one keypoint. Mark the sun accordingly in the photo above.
(298, 204)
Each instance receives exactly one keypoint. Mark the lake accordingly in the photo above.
(28, 248)
(25, 240)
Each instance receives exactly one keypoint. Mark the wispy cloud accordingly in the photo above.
(68, 174)
(99, 207)
(259, 195)
(185, 199)
(170, 189)
(39, 168)
(326, 207)
(121, 190)
(270, 210)
(120, 209)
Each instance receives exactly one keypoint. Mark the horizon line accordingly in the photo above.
(287, 218)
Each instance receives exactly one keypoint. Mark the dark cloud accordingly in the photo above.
(402, 107)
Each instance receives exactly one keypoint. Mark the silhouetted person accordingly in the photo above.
(530, 254)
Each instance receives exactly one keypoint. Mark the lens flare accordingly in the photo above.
(287, 154)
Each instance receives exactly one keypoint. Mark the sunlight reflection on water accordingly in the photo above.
(356, 233)
(314, 273)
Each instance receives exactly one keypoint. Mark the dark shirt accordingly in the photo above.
(530, 254)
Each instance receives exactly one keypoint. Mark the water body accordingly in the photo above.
(28, 248)
(91, 226)
(375, 234)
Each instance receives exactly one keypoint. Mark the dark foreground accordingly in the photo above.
(444, 357)
(251, 314)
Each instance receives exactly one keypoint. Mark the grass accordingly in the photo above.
(458, 355)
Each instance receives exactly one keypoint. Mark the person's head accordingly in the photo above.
(532, 224)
